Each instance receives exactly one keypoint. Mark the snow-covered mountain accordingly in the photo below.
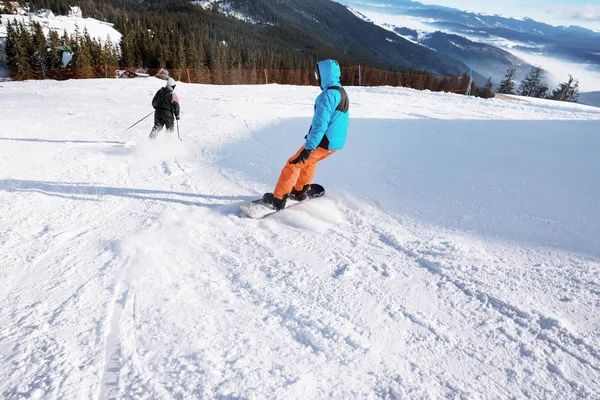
(485, 59)
(456, 253)
(557, 49)
(100, 30)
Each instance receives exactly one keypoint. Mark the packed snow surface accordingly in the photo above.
(455, 254)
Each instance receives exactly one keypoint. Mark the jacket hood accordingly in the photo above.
(329, 73)
(171, 83)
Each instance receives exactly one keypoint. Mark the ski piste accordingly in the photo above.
(258, 209)
(122, 277)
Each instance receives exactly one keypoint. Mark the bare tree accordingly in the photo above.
(567, 91)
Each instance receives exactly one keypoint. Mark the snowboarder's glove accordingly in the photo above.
(304, 154)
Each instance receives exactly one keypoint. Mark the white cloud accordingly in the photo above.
(585, 16)
(400, 21)
(582, 13)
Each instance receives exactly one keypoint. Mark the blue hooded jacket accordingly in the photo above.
(327, 121)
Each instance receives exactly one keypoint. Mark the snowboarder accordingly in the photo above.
(326, 135)
(166, 106)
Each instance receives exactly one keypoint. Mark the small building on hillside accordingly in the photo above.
(126, 74)
(75, 11)
(44, 14)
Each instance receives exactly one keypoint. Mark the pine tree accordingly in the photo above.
(163, 55)
(110, 55)
(39, 48)
(192, 57)
(127, 49)
(534, 85)
(541, 91)
(53, 59)
(507, 84)
(180, 63)
(567, 91)
(487, 92)
(16, 52)
(87, 49)
(82, 57)
(95, 53)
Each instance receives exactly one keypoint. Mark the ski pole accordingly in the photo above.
(138, 122)
(178, 130)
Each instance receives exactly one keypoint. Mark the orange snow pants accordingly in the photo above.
(289, 173)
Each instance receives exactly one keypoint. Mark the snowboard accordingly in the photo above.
(257, 209)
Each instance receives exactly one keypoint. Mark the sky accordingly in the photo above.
(585, 13)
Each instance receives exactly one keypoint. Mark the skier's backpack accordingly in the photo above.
(160, 99)
(344, 105)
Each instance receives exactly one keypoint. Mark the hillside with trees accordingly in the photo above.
(283, 35)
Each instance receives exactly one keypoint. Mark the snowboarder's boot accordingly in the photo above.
(300, 195)
(274, 202)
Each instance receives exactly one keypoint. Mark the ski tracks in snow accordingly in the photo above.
(360, 297)
(131, 274)
(538, 349)
(549, 354)
(336, 286)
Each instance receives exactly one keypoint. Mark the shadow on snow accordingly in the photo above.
(528, 181)
(83, 191)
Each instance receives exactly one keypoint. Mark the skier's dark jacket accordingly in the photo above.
(166, 100)
(330, 121)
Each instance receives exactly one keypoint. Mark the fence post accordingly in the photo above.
(266, 77)
(44, 72)
(359, 80)
(188, 73)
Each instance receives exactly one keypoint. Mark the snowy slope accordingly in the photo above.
(226, 8)
(61, 23)
(455, 254)
(590, 98)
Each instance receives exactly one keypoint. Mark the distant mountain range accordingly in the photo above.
(471, 37)
(486, 60)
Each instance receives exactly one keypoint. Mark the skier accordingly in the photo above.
(326, 135)
(166, 106)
